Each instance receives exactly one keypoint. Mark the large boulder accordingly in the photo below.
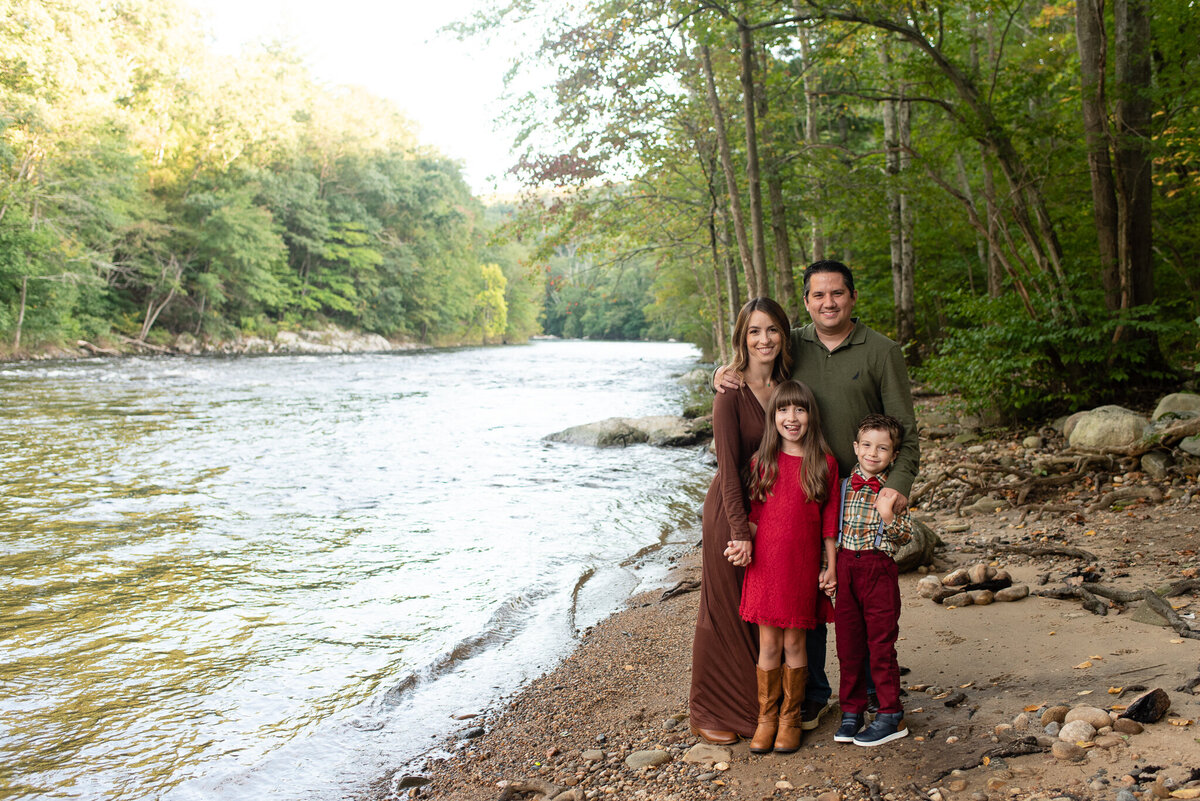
(663, 430)
(1107, 427)
(1181, 404)
(919, 550)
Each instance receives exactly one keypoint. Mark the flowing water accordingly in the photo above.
(282, 577)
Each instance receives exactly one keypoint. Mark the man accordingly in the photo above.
(853, 371)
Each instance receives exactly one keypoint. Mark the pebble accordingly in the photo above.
(961, 599)
(707, 777)
(956, 528)
(1031, 443)
(996, 784)
(1109, 741)
(978, 573)
(592, 755)
(472, 733)
(1127, 726)
(1077, 731)
(928, 586)
(1125, 795)
(705, 754)
(952, 739)
(957, 785)
(1052, 728)
(784, 785)
(1014, 593)
(1098, 718)
(981, 597)
(832, 795)
(979, 795)
(1055, 713)
(1022, 722)
(1068, 752)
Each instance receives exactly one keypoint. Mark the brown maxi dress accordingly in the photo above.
(724, 691)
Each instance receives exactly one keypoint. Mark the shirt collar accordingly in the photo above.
(858, 335)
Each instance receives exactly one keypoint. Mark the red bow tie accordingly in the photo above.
(857, 482)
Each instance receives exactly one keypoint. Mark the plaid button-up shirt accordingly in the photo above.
(860, 522)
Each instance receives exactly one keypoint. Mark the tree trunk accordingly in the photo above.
(753, 180)
(731, 186)
(906, 328)
(785, 281)
(719, 332)
(897, 136)
(1092, 44)
(1134, 180)
(981, 246)
(810, 130)
(20, 315)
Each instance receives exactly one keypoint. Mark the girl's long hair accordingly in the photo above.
(764, 465)
(741, 351)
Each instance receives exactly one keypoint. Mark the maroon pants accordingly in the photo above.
(867, 621)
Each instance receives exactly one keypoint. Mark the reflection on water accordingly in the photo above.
(278, 577)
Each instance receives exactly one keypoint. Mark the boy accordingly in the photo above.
(867, 614)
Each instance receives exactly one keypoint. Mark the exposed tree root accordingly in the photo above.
(1088, 594)
(1047, 550)
(1021, 747)
(872, 787)
(685, 586)
(1125, 494)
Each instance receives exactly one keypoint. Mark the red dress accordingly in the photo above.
(780, 588)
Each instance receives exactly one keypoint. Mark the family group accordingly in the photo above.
(817, 450)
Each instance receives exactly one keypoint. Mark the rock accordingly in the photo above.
(645, 759)
(1108, 426)
(1068, 752)
(1127, 726)
(1077, 731)
(707, 777)
(832, 795)
(955, 700)
(472, 733)
(783, 784)
(957, 528)
(1013, 593)
(1125, 794)
(1109, 741)
(986, 505)
(1149, 708)
(1144, 613)
(410, 781)
(957, 785)
(956, 578)
(981, 597)
(1052, 728)
(705, 754)
(1032, 443)
(1003, 730)
(613, 432)
(669, 431)
(1057, 714)
(1023, 722)
(978, 573)
(1156, 463)
(928, 586)
(961, 599)
(1066, 425)
(1176, 403)
(592, 755)
(975, 450)
(919, 550)
(1190, 445)
(1098, 718)
(1002, 575)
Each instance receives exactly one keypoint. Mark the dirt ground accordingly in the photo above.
(625, 688)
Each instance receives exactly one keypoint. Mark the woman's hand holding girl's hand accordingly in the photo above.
(738, 552)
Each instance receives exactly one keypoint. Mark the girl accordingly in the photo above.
(792, 484)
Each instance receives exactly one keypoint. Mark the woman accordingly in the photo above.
(724, 699)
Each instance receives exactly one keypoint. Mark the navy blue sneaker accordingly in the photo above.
(886, 727)
(851, 723)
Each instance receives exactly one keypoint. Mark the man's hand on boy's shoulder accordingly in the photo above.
(726, 378)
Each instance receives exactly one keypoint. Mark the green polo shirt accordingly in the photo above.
(863, 375)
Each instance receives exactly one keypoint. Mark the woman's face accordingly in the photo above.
(764, 340)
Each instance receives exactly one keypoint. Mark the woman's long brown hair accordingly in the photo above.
(741, 351)
(764, 465)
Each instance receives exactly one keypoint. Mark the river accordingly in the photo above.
(283, 577)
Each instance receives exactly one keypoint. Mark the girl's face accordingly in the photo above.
(763, 338)
(792, 424)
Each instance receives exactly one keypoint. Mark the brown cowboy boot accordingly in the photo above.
(768, 711)
(788, 738)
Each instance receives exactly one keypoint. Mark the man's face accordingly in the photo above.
(830, 304)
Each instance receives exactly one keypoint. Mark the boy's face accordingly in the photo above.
(875, 451)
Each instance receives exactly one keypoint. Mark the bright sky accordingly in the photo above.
(393, 49)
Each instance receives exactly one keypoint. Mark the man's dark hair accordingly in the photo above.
(828, 266)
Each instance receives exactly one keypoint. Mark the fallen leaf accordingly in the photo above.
(718, 782)
(1095, 657)
(965, 686)
(1186, 792)
(919, 739)
(1089, 532)
(1053, 633)
(987, 761)
(1033, 707)
(1118, 707)
(1084, 692)
(1084, 744)
(1180, 721)
(1115, 690)
(1083, 666)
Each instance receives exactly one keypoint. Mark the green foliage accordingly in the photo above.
(1021, 367)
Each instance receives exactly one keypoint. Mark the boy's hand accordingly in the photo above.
(738, 552)
(892, 500)
(726, 378)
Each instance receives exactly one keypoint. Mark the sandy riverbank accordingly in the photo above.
(625, 689)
